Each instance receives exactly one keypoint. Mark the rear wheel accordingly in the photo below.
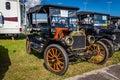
(101, 53)
(109, 45)
(28, 47)
(56, 59)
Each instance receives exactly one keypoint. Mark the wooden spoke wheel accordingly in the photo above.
(56, 59)
(101, 50)
(28, 48)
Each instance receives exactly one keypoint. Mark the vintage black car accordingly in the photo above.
(115, 29)
(59, 38)
(115, 20)
(96, 24)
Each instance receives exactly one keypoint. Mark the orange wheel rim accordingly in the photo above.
(100, 53)
(55, 59)
(28, 46)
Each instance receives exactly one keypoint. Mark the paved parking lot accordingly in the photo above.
(108, 73)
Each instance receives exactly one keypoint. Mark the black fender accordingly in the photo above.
(54, 41)
(109, 37)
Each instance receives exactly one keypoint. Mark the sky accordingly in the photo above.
(103, 6)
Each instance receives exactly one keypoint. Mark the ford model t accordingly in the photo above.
(114, 28)
(55, 34)
(97, 24)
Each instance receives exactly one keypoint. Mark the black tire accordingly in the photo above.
(102, 47)
(109, 45)
(29, 50)
(53, 62)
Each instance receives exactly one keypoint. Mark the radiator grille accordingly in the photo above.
(79, 42)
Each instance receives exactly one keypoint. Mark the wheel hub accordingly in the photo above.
(54, 60)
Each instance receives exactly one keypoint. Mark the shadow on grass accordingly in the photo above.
(4, 61)
(76, 61)
(38, 55)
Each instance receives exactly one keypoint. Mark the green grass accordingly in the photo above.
(15, 64)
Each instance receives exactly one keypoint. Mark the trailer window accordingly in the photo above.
(7, 5)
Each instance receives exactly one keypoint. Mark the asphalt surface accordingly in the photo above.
(107, 73)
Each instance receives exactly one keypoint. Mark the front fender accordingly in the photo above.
(54, 41)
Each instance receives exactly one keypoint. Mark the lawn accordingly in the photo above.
(15, 64)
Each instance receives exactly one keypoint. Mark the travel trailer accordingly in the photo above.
(12, 17)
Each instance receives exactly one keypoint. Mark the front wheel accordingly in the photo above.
(56, 59)
(101, 51)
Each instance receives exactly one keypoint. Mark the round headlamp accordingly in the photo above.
(91, 39)
(114, 37)
(69, 40)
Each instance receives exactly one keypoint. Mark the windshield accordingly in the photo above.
(63, 18)
(100, 20)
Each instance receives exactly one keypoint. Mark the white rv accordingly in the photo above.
(12, 17)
